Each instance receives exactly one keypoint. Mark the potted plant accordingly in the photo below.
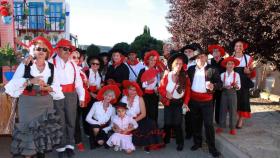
(61, 24)
(5, 12)
(7, 61)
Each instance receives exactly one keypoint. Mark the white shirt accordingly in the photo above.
(15, 87)
(191, 63)
(66, 75)
(134, 109)
(136, 68)
(94, 79)
(124, 122)
(228, 78)
(171, 87)
(98, 116)
(199, 83)
(242, 60)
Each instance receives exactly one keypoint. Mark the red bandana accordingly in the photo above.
(118, 63)
(134, 63)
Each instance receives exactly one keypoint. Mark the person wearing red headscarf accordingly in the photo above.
(149, 86)
(36, 85)
(246, 72)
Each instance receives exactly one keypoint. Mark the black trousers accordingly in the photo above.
(202, 113)
(151, 103)
(173, 118)
(82, 112)
(188, 124)
(217, 104)
(101, 135)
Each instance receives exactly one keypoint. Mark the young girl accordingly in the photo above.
(123, 125)
(231, 83)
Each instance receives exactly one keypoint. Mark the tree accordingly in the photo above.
(145, 42)
(222, 21)
(92, 50)
(122, 46)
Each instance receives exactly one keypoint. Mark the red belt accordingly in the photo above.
(149, 91)
(34, 93)
(68, 88)
(92, 88)
(201, 97)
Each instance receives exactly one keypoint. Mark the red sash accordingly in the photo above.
(201, 97)
(34, 93)
(149, 91)
(68, 88)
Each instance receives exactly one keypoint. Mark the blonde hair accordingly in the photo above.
(109, 92)
(40, 42)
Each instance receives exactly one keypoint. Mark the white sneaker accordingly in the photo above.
(116, 148)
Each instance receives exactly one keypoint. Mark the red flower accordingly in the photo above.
(4, 2)
(4, 12)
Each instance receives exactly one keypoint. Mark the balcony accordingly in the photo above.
(39, 23)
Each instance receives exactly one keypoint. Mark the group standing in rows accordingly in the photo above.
(115, 97)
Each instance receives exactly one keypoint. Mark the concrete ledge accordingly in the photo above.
(228, 150)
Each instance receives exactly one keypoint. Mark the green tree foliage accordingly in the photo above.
(145, 42)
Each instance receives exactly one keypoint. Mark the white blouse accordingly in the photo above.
(136, 68)
(94, 79)
(98, 116)
(66, 73)
(123, 123)
(242, 60)
(134, 109)
(16, 86)
(228, 79)
(171, 87)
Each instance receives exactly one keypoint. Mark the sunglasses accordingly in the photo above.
(94, 64)
(75, 57)
(39, 49)
(65, 49)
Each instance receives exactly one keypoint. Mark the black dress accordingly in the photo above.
(151, 100)
(118, 74)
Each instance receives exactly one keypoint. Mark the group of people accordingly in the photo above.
(115, 97)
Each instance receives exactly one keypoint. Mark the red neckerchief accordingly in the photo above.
(134, 63)
(120, 62)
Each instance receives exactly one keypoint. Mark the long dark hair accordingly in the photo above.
(181, 78)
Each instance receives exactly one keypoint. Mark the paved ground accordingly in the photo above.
(259, 138)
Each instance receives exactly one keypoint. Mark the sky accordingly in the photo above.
(107, 22)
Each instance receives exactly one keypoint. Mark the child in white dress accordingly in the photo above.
(122, 125)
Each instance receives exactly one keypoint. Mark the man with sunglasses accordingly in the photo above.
(71, 83)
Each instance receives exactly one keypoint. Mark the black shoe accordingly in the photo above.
(106, 146)
(70, 152)
(166, 140)
(188, 136)
(180, 147)
(195, 147)
(147, 149)
(215, 153)
(40, 155)
(61, 154)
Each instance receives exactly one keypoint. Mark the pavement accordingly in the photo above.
(259, 138)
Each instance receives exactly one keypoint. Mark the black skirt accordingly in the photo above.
(147, 134)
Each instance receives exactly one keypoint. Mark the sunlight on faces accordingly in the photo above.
(94, 64)
(75, 57)
(64, 52)
(152, 61)
(38, 51)
(177, 64)
(116, 57)
(109, 95)
(132, 91)
(201, 59)
(121, 112)
(189, 53)
(238, 47)
(230, 65)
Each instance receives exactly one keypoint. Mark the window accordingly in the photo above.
(18, 10)
(55, 11)
(36, 15)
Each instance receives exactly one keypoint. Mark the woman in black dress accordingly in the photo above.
(246, 72)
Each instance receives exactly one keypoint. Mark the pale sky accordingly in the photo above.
(106, 22)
